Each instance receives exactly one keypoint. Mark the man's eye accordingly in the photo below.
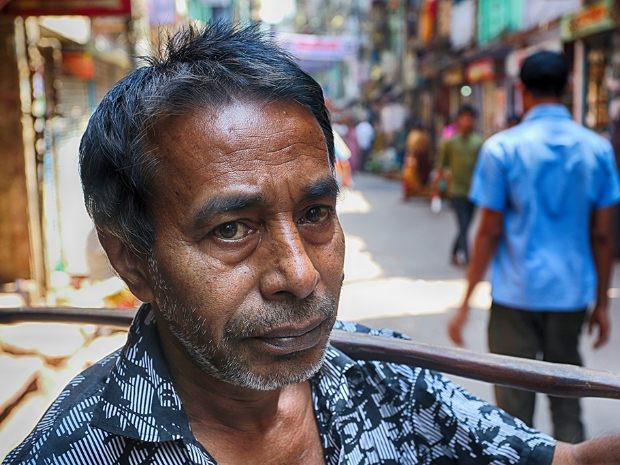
(316, 215)
(232, 230)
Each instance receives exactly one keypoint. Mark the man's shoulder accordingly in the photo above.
(378, 374)
(512, 135)
(67, 421)
(478, 138)
(584, 134)
(596, 141)
(408, 412)
(531, 131)
(449, 145)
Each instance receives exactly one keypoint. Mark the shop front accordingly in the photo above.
(591, 33)
(487, 94)
(56, 72)
(453, 79)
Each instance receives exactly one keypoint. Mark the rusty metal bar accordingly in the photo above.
(549, 378)
(118, 317)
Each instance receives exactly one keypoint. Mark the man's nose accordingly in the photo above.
(291, 271)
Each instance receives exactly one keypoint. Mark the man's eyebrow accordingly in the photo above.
(225, 204)
(325, 187)
(218, 205)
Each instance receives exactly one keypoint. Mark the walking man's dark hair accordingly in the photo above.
(466, 108)
(545, 74)
(197, 68)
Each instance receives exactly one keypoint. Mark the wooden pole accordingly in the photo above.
(532, 375)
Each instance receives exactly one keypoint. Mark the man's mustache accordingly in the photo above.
(272, 315)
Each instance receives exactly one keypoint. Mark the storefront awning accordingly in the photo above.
(66, 7)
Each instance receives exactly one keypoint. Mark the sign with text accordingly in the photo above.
(453, 76)
(592, 19)
(480, 70)
(319, 48)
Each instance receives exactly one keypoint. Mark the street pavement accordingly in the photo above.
(398, 276)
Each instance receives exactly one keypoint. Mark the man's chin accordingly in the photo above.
(266, 371)
(285, 375)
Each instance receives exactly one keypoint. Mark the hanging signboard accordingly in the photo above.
(590, 20)
(453, 76)
(67, 7)
(480, 70)
(319, 48)
(79, 64)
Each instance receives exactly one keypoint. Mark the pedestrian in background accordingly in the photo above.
(350, 138)
(416, 164)
(365, 134)
(458, 155)
(546, 188)
(344, 174)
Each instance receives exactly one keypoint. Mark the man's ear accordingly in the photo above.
(131, 268)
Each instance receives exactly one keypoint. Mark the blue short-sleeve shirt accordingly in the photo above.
(546, 175)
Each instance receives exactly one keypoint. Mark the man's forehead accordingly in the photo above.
(239, 127)
(243, 145)
(236, 115)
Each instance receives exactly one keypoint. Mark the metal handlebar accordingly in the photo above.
(532, 375)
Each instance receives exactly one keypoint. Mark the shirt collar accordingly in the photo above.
(139, 400)
(547, 110)
(338, 375)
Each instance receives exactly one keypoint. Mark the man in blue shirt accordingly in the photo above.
(546, 188)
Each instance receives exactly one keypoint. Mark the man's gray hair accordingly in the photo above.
(197, 68)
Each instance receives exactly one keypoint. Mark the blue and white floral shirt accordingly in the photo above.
(125, 410)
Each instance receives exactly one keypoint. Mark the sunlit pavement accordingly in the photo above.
(397, 276)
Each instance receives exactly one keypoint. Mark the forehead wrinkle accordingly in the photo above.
(265, 156)
(246, 141)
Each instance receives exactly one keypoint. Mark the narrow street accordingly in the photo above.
(397, 276)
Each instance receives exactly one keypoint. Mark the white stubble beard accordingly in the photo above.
(190, 327)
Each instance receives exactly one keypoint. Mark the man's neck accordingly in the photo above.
(212, 401)
(535, 101)
(242, 425)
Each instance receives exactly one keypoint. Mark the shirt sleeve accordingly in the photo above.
(609, 191)
(459, 427)
(489, 184)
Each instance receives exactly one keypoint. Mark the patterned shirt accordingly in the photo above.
(125, 410)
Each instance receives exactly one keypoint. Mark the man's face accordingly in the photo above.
(465, 122)
(247, 264)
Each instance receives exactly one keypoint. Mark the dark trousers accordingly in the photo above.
(464, 210)
(552, 336)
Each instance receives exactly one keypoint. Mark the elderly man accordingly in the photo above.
(209, 175)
